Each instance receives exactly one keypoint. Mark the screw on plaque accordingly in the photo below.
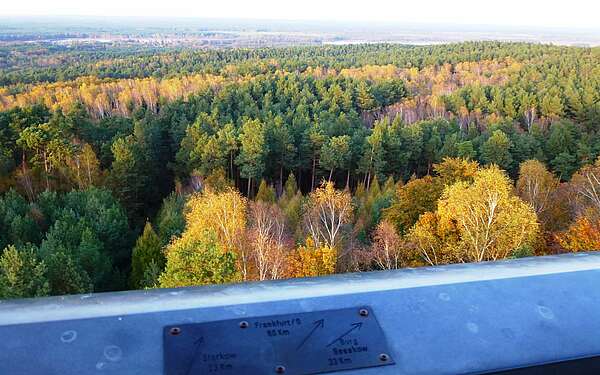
(244, 324)
(175, 331)
(279, 369)
(384, 357)
(363, 312)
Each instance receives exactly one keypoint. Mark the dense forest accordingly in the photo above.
(140, 169)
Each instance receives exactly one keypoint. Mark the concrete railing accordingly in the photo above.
(456, 319)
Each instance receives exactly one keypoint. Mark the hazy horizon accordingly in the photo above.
(548, 14)
(252, 32)
(333, 23)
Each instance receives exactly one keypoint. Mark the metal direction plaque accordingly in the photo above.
(293, 344)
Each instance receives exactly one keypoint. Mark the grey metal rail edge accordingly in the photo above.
(455, 319)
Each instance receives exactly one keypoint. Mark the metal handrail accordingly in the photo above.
(467, 318)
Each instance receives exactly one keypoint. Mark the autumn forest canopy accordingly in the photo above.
(143, 168)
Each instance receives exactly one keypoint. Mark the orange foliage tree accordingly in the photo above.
(311, 260)
(477, 221)
(582, 235)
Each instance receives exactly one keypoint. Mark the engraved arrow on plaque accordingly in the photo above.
(317, 324)
(355, 327)
(197, 345)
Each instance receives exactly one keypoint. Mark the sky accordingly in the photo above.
(574, 14)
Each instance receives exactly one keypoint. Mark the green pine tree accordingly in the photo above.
(22, 274)
(147, 251)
